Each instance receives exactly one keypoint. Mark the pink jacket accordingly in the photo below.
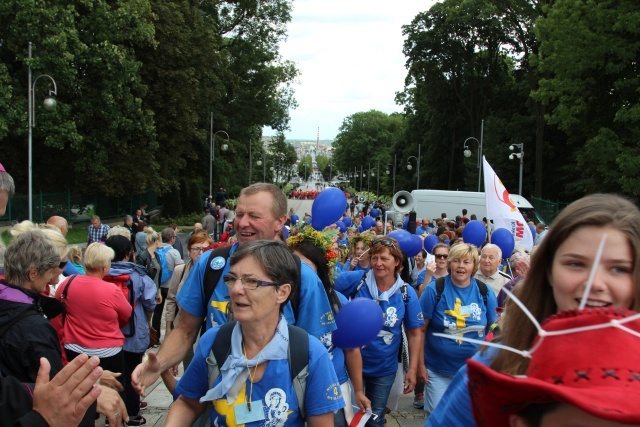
(96, 310)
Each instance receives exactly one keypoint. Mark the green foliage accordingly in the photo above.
(183, 220)
(171, 204)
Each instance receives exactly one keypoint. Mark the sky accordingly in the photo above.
(349, 54)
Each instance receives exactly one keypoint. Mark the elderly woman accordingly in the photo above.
(400, 308)
(255, 386)
(94, 328)
(31, 262)
(456, 304)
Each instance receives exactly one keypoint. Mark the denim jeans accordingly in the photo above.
(435, 388)
(377, 389)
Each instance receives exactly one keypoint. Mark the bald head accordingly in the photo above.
(59, 222)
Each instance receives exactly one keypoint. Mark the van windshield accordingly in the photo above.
(530, 214)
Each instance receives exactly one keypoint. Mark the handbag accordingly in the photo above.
(153, 337)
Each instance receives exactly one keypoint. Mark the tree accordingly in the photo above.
(589, 52)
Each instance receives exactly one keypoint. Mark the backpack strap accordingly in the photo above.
(299, 364)
(26, 313)
(298, 354)
(63, 297)
(211, 276)
(483, 291)
(439, 288)
(355, 291)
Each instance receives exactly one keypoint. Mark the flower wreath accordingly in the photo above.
(320, 240)
(365, 237)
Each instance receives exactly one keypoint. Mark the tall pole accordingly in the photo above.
(360, 177)
(49, 103)
(211, 157)
(378, 188)
(480, 156)
(521, 166)
(331, 170)
(368, 176)
(250, 162)
(418, 183)
(30, 155)
(264, 167)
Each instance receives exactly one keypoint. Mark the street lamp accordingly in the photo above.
(49, 104)
(394, 173)
(467, 152)
(410, 166)
(520, 156)
(212, 146)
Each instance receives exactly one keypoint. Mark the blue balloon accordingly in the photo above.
(360, 229)
(374, 212)
(285, 232)
(533, 232)
(341, 226)
(415, 247)
(474, 233)
(404, 239)
(347, 221)
(294, 219)
(368, 222)
(328, 207)
(505, 241)
(358, 322)
(430, 241)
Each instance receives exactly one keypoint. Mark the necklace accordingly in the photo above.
(251, 376)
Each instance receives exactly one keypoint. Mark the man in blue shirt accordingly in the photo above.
(261, 212)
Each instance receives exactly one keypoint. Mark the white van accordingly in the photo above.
(432, 204)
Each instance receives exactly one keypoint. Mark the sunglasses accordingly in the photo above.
(384, 242)
(441, 256)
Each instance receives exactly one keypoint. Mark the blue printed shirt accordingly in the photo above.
(380, 356)
(275, 388)
(460, 311)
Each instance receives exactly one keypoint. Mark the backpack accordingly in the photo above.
(298, 356)
(483, 291)
(125, 284)
(212, 277)
(162, 257)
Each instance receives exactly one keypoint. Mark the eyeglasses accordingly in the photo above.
(384, 242)
(247, 282)
(196, 249)
(62, 264)
(441, 256)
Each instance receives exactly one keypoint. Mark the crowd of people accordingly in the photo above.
(77, 330)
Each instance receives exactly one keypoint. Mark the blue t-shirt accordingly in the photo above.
(314, 312)
(460, 311)
(275, 388)
(454, 408)
(380, 356)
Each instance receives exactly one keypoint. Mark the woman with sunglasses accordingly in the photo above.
(400, 308)
(434, 270)
(254, 387)
(463, 309)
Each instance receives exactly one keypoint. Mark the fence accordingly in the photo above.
(76, 208)
(547, 209)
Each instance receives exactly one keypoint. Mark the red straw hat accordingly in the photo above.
(597, 371)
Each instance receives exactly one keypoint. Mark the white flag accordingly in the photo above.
(503, 211)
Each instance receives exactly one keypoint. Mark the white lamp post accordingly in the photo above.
(520, 156)
(212, 147)
(467, 152)
(49, 104)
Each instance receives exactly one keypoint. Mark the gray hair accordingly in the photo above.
(31, 249)
(274, 258)
(492, 246)
(119, 230)
(167, 234)
(6, 183)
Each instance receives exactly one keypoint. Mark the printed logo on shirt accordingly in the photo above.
(276, 409)
(420, 316)
(217, 263)
(386, 336)
(327, 319)
(455, 320)
(327, 342)
(391, 317)
(334, 392)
